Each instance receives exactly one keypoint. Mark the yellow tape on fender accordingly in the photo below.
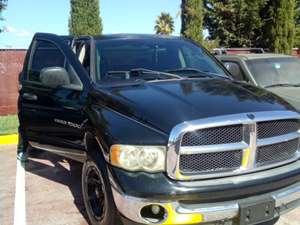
(9, 139)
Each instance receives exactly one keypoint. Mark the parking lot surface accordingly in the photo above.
(52, 191)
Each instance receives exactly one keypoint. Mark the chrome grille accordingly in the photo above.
(233, 144)
(213, 136)
(277, 152)
(210, 162)
(276, 128)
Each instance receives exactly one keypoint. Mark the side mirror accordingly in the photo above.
(234, 70)
(54, 77)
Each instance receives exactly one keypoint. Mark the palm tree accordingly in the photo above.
(164, 24)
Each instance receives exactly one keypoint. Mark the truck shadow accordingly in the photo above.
(60, 170)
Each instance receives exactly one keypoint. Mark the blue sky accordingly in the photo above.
(25, 17)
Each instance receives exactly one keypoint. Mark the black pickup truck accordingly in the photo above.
(165, 135)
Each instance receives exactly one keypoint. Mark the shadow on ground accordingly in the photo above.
(60, 170)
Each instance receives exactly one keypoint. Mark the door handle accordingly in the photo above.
(30, 97)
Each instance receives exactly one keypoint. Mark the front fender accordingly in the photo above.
(111, 127)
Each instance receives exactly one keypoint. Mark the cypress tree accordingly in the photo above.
(192, 19)
(85, 18)
(283, 26)
(3, 4)
(297, 25)
(279, 29)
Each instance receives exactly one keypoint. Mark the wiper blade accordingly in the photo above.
(197, 72)
(282, 85)
(141, 71)
(185, 69)
(137, 72)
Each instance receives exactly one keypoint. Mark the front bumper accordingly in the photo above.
(226, 212)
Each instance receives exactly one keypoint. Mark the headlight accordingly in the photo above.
(138, 158)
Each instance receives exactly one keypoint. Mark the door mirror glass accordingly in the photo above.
(54, 77)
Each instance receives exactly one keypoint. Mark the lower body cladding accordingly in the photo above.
(253, 210)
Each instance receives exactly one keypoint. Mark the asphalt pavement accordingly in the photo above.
(49, 191)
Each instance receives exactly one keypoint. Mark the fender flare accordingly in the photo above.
(90, 140)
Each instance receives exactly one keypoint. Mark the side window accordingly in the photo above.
(82, 49)
(45, 55)
(198, 58)
(235, 70)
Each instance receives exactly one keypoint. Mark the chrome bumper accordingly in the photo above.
(286, 199)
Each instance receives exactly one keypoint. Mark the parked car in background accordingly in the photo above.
(277, 73)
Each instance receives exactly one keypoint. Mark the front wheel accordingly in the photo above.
(97, 193)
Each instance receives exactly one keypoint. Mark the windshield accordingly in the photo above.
(275, 71)
(117, 57)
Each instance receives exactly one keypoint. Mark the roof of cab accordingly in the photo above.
(134, 36)
(110, 36)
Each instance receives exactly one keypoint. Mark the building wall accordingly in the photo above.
(11, 63)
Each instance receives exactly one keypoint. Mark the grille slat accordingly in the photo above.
(210, 162)
(229, 161)
(213, 136)
(276, 128)
(276, 153)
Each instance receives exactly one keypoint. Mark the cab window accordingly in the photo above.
(45, 55)
(48, 55)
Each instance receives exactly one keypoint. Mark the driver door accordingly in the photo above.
(53, 118)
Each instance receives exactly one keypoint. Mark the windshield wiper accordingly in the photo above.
(143, 71)
(138, 72)
(197, 72)
(282, 85)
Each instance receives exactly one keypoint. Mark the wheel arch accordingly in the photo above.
(93, 144)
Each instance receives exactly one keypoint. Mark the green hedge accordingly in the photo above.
(9, 124)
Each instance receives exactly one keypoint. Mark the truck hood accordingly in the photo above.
(164, 104)
(290, 94)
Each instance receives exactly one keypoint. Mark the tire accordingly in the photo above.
(97, 194)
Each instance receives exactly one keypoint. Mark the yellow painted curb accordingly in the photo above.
(9, 139)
